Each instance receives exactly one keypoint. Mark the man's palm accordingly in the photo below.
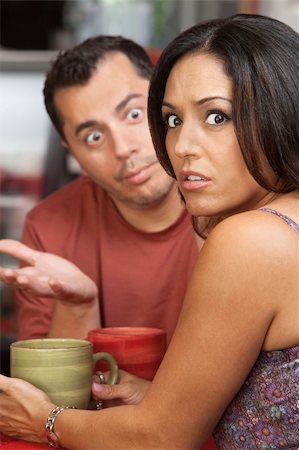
(46, 275)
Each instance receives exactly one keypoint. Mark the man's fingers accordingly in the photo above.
(18, 250)
(8, 275)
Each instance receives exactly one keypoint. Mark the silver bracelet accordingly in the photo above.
(52, 438)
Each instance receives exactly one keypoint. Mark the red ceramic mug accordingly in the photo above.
(138, 350)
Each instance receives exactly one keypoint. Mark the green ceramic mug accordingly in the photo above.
(62, 368)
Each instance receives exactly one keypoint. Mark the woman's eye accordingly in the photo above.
(216, 118)
(134, 114)
(172, 121)
(93, 137)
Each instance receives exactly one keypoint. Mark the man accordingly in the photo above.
(121, 223)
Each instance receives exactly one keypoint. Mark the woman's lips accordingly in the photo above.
(191, 181)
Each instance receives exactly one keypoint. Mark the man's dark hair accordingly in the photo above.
(75, 66)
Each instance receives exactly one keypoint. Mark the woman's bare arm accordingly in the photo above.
(231, 308)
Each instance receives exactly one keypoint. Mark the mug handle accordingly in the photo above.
(113, 374)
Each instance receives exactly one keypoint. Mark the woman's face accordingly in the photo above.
(201, 141)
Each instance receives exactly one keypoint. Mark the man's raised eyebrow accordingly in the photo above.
(201, 101)
(83, 125)
(119, 107)
(125, 101)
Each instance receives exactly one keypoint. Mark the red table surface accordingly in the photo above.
(7, 443)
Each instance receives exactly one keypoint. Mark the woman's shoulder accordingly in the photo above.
(258, 222)
(254, 233)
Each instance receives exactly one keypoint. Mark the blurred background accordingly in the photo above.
(32, 162)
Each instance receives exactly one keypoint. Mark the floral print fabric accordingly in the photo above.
(264, 415)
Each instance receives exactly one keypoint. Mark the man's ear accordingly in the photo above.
(72, 162)
(64, 144)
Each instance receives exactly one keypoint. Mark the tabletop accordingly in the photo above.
(7, 443)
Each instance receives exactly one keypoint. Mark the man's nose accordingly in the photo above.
(124, 143)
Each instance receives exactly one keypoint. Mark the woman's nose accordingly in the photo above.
(187, 142)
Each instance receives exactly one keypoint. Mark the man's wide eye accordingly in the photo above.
(93, 137)
(134, 114)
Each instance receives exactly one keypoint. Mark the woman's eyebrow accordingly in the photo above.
(208, 99)
(201, 101)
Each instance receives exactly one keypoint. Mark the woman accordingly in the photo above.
(223, 109)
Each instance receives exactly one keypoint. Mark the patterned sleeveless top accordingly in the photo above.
(289, 221)
(264, 415)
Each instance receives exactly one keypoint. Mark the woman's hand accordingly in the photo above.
(23, 410)
(46, 275)
(129, 391)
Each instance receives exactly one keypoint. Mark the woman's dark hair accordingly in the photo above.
(261, 56)
(76, 66)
